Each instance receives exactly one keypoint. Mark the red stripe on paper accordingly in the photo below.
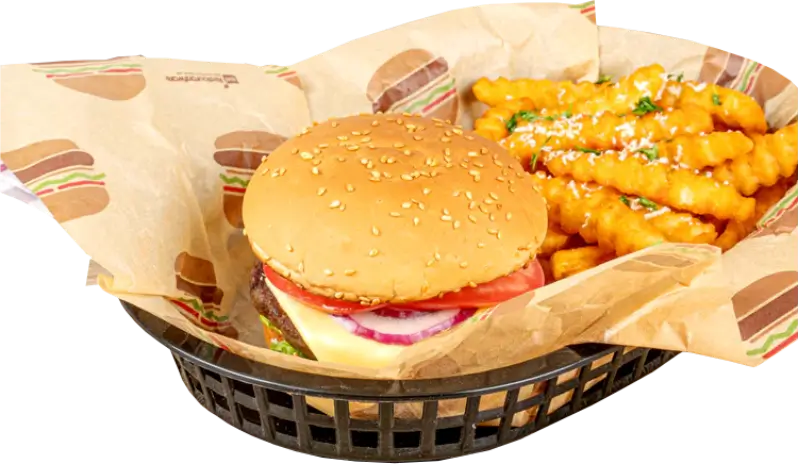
(753, 78)
(438, 100)
(44, 192)
(121, 70)
(590, 9)
(229, 188)
(781, 346)
(288, 73)
(194, 313)
(81, 182)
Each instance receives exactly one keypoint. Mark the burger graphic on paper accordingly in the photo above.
(240, 153)
(767, 313)
(372, 237)
(62, 175)
(283, 72)
(195, 277)
(115, 79)
(414, 81)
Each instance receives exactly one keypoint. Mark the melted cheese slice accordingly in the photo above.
(330, 341)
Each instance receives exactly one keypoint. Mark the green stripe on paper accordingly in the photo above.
(432, 96)
(87, 68)
(581, 6)
(199, 308)
(747, 75)
(233, 180)
(73, 176)
(278, 70)
(774, 209)
(773, 338)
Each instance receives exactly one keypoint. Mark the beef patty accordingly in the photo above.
(267, 305)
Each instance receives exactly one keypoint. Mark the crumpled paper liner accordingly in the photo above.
(166, 238)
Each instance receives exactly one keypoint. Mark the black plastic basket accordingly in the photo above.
(271, 403)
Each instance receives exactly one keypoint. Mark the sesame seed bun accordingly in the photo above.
(392, 208)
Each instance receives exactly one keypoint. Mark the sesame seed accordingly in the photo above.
(457, 131)
(407, 205)
(263, 158)
(306, 156)
(275, 174)
(493, 195)
(420, 205)
(317, 151)
(430, 262)
(472, 204)
(446, 139)
(446, 218)
(508, 216)
(491, 217)
(499, 235)
(464, 264)
(294, 151)
(447, 152)
(456, 224)
(328, 272)
(364, 161)
(472, 154)
(511, 189)
(375, 173)
(481, 245)
(342, 137)
(301, 266)
(478, 164)
(304, 131)
(321, 191)
(370, 165)
(498, 162)
(444, 211)
(476, 178)
(315, 170)
(375, 123)
(416, 221)
(323, 145)
(391, 160)
(341, 159)
(465, 165)
(474, 172)
(339, 295)
(437, 256)
(373, 252)
(289, 248)
(349, 272)
(482, 209)
(375, 231)
(350, 188)
(342, 207)
(484, 150)
(426, 191)
(394, 214)
(399, 145)
(366, 132)
(387, 175)
(316, 162)
(407, 152)
(383, 159)
(406, 177)
(417, 137)
(335, 204)
(334, 124)
(410, 127)
(500, 178)
(448, 133)
(355, 133)
(456, 193)
(472, 218)
(471, 284)
(353, 147)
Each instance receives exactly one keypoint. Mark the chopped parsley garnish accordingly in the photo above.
(625, 200)
(678, 78)
(603, 79)
(651, 153)
(716, 99)
(645, 106)
(648, 204)
(525, 115)
(568, 113)
(589, 150)
(534, 159)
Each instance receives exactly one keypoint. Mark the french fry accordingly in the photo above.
(555, 240)
(680, 227)
(607, 131)
(730, 108)
(633, 174)
(625, 96)
(765, 198)
(566, 263)
(493, 124)
(774, 156)
(701, 151)
(542, 92)
(587, 210)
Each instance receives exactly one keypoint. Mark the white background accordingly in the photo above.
(64, 399)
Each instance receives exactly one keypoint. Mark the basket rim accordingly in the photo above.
(373, 390)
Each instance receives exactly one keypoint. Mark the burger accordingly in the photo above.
(375, 232)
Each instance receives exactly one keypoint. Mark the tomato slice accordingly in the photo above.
(328, 305)
(487, 294)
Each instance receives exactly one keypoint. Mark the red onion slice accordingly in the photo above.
(394, 326)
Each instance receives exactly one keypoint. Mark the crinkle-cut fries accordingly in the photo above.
(651, 158)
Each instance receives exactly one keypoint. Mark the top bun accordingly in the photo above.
(392, 208)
